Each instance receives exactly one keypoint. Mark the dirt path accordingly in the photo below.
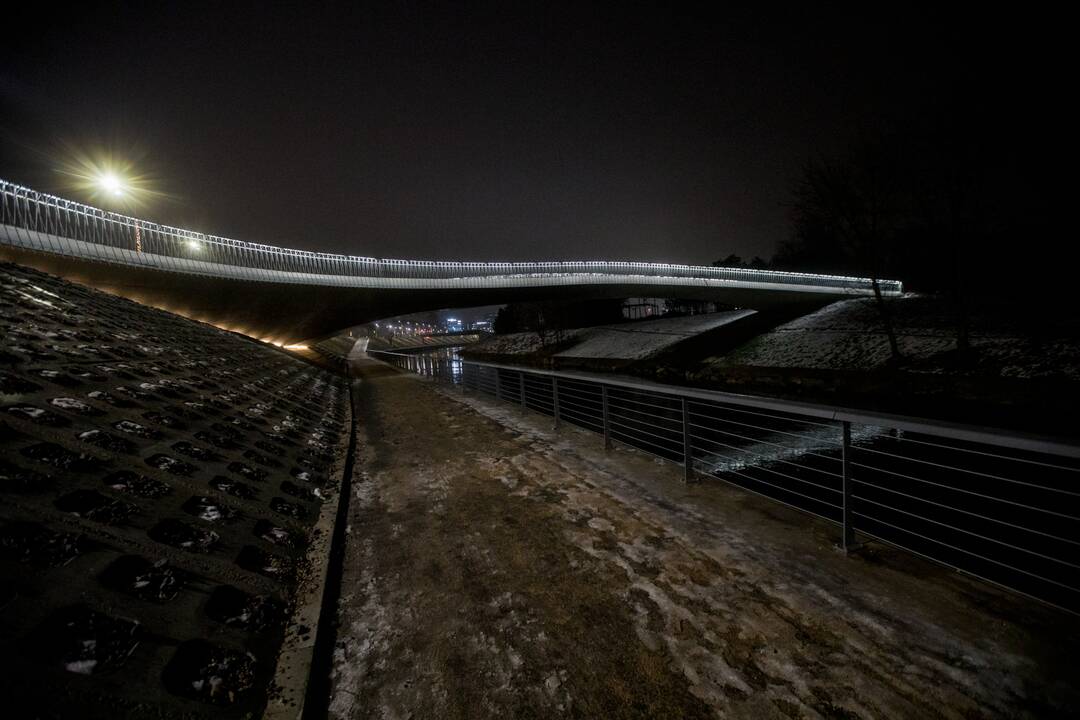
(497, 569)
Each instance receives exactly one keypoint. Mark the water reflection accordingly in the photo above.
(441, 363)
(787, 447)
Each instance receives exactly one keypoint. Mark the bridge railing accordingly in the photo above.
(1001, 506)
(53, 224)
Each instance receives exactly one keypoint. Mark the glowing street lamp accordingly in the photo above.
(111, 184)
(109, 181)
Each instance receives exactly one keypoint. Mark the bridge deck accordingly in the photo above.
(300, 294)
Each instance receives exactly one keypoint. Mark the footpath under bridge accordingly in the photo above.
(284, 295)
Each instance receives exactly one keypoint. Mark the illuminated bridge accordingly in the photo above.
(283, 295)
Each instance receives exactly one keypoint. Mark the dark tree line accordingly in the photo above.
(850, 213)
(755, 263)
(549, 318)
(948, 212)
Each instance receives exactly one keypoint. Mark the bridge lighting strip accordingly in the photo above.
(53, 215)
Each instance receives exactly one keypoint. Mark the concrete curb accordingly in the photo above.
(292, 677)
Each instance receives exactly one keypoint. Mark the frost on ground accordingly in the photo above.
(624, 341)
(523, 343)
(640, 340)
(496, 568)
(848, 335)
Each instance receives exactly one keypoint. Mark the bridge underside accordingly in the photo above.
(290, 312)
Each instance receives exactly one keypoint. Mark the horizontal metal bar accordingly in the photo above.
(777, 487)
(573, 404)
(674, 424)
(985, 453)
(623, 403)
(968, 532)
(778, 473)
(646, 432)
(597, 419)
(971, 513)
(960, 569)
(771, 498)
(774, 430)
(615, 433)
(573, 401)
(534, 396)
(727, 407)
(967, 552)
(634, 398)
(979, 473)
(534, 390)
(766, 458)
(542, 391)
(759, 441)
(583, 390)
(967, 492)
(596, 427)
(526, 405)
(583, 402)
(955, 431)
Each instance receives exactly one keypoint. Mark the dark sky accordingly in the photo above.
(420, 131)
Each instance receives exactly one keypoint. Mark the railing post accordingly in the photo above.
(521, 389)
(498, 385)
(555, 398)
(607, 424)
(688, 455)
(848, 542)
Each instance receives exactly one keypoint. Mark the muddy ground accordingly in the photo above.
(497, 568)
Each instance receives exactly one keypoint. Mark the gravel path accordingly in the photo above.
(496, 568)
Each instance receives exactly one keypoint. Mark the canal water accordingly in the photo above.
(441, 363)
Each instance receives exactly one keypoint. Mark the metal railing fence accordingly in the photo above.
(38, 221)
(1001, 506)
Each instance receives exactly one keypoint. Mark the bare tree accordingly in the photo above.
(850, 213)
(950, 208)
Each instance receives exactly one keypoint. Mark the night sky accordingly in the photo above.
(568, 132)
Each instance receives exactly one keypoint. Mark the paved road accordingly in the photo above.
(495, 568)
